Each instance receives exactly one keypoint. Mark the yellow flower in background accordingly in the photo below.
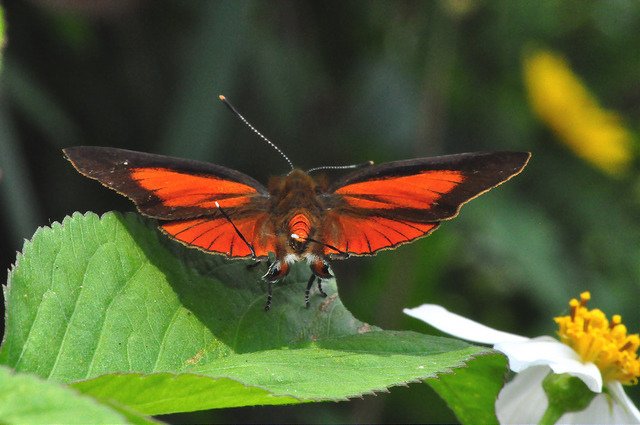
(563, 102)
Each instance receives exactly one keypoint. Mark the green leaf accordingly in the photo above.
(134, 318)
(161, 393)
(360, 363)
(472, 392)
(27, 399)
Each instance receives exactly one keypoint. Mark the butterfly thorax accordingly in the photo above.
(296, 210)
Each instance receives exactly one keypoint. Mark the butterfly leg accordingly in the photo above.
(276, 272)
(226, 216)
(324, 294)
(267, 306)
(254, 265)
(319, 270)
(308, 290)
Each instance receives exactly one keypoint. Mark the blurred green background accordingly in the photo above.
(337, 82)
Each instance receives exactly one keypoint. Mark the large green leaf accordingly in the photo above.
(27, 399)
(332, 369)
(129, 316)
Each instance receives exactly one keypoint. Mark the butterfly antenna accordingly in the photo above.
(297, 237)
(226, 216)
(340, 167)
(248, 124)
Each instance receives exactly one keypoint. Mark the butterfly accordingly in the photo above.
(296, 216)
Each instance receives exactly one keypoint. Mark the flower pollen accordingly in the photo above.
(600, 341)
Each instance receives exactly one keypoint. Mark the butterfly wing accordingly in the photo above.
(217, 234)
(184, 192)
(386, 205)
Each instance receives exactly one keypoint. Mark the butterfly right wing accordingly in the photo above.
(383, 206)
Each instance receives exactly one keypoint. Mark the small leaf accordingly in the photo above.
(134, 318)
(472, 392)
(28, 399)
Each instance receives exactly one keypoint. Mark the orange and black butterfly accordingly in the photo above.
(297, 217)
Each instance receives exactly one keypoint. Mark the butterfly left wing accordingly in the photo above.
(217, 234)
(185, 192)
(168, 188)
(386, 205)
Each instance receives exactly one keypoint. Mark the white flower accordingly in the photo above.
(523, 399)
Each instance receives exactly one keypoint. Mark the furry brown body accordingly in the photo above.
(297, 214)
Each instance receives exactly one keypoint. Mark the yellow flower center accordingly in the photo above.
(600, 341)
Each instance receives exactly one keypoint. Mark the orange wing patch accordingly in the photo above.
(366, 235)
(177, 189)
(418, 191)
(218, 235)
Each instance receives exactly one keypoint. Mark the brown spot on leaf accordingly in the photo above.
(195, 359)
(324, 306)
(364, 328)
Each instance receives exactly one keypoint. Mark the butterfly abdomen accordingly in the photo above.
(300, 225)
(294, 207)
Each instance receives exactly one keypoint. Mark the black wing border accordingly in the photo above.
(111, 167)
(482, 171)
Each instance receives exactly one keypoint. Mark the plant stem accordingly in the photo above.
(551, 415)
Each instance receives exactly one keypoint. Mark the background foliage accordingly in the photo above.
(334, 83)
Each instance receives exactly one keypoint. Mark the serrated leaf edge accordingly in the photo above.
(28, 245)
(270, 392)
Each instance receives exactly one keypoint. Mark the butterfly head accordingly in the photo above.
(297, 243)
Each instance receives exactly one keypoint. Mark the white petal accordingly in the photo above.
(550, 352)
(624, 409)
(523, 401)
(458, 326)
